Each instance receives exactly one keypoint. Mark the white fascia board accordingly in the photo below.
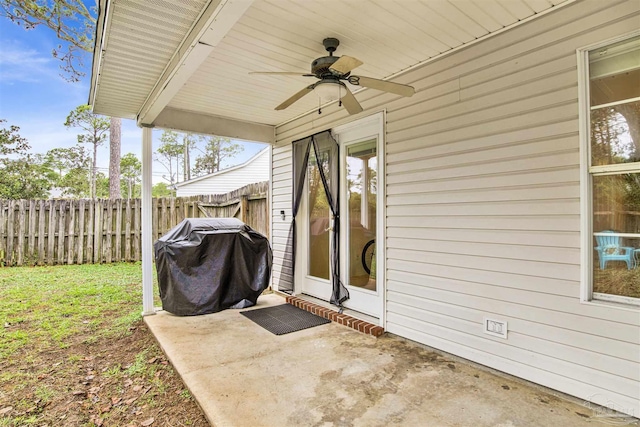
(214, 23)
(188, 121)
(223, 171)
(102, 26)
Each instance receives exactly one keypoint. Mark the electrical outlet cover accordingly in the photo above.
(497, 328)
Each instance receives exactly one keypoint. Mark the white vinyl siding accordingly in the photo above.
(281, 184)
(254, 170)
(483, 207)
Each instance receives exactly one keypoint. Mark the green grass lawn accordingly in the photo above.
(57, 303)
(74, 351)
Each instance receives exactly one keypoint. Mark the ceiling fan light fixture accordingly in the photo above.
(331, 72)
(330, 90)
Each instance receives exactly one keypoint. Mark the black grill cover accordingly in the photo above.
(206, 265)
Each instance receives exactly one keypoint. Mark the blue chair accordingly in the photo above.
(610, 249)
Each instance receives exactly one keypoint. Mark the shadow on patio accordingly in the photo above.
(330, 375)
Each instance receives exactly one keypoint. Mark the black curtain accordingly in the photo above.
(301, 150)
(327, 158)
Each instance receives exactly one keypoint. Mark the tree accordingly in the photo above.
(75, 183)
(72, 167)
(188, 144)
(115, 128)
(74, 24)
(63, 160)
(631, 114)
(22, 175)
(102, 186)
(607, 144)
(161, 189)
(131, 171)
(215, 151)
(24, 179)
(95, 128)
(11, 142)
(169, 155)
(71, 20)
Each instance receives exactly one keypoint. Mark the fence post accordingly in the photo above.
(127, 231)
(244, 208)
(137, 228)
(80, 255)
(88, 252)
(31, 237)
(51, 233)
(97, 231)
(10, 232)
(42, 222)
(72, 232)
(118, 243)
(109, 233)
(21, 232)
(3, 232)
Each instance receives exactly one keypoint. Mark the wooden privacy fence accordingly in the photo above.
(621, 221)
(48, 232)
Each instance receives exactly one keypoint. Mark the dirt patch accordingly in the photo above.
(116, 381)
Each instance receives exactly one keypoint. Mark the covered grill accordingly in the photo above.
(206, 265)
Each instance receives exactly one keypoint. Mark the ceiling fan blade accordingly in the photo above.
(345, 64)
(398, 89)
(350, 103)
(282, 73)
(294, 98)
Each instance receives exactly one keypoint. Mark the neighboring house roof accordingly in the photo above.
(256, 169)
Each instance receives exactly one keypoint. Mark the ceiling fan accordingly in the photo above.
(332, 72)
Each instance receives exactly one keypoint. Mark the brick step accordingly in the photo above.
(334, 316)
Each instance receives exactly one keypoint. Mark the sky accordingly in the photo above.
(35, 97)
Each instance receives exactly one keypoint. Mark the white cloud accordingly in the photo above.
(48, 134)
(19, 64)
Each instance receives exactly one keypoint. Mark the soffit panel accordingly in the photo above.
(389, 36)
(143, 36)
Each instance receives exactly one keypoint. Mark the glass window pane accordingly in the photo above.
(615, 88)
(616, 203)
(614, 76)
(319, 223)
(614, 72)
(361, 198)
(615, 134)
(616, 225)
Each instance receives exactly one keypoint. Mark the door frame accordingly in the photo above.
(358, 131)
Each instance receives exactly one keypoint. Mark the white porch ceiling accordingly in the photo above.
(389, 36)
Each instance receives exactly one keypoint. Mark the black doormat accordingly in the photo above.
(285, 318)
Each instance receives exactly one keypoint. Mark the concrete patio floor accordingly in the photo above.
(330, 375)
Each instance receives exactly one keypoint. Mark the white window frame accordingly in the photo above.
(586, 173)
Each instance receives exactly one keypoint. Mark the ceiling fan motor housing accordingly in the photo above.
(332, 72)
(320, 66)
